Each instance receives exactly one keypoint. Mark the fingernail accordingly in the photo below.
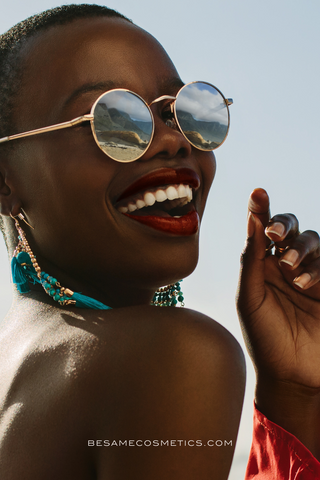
(303, 280)
(276, 228)
(290, 257)
(251, 225)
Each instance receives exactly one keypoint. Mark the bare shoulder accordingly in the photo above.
(135, 373)
(153, 340)
(170, 375)
(104, 341)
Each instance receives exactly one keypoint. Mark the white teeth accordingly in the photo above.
(123, 209)
(189, 193)
(140, 204)
(182, 191)
(172, 193)
(132, 207)
(149, 199)
(160, 196)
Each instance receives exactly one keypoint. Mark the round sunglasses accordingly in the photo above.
(122, 122)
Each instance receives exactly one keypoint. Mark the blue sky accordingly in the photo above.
(265, 56)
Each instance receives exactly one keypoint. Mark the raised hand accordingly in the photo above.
(279, 309)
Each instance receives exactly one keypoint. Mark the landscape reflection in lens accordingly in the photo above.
(123, 125)
(202, 114)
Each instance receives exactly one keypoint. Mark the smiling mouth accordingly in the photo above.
(168, 208)
(163, 201)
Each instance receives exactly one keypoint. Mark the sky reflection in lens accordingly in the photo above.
(204, 103)
(123, 125)
(203, 115)
(127, 102)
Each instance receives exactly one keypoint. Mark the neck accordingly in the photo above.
(101, 293)
(113, 294)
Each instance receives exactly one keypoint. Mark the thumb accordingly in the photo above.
(251, 291)
(259, 205)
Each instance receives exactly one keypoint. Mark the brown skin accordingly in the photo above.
(135, 372)
(281, 323)
(88, 182)
(132, 373)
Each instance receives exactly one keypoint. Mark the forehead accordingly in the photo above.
(65, 58)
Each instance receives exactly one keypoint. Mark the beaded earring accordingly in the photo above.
(25, 269)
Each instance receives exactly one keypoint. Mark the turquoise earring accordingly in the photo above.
(25, 269)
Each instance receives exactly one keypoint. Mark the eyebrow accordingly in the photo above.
(171, 83)
(87, 88)
(166, 84)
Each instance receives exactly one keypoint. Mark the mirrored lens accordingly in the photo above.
(123, 126)
(203, 115)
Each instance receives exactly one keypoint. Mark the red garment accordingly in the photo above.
(277, 455)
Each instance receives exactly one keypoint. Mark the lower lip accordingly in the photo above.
(186, 225)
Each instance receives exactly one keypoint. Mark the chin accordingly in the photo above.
(170, 266)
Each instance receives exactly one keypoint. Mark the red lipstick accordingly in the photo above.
(167, 216)
(186, 225)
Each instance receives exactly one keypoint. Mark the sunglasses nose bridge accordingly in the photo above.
(168, 139)
(159, 120)
(157, 112)
(163, 97)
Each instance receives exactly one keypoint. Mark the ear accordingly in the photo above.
(9, 203)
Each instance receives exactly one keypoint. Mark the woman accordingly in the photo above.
(132, 372)
(75, 377)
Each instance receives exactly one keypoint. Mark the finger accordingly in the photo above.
(251, 290)
(259, 205)
(282, 228)
(309, 277)
(304, 249)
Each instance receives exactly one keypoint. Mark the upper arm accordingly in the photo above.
(178, 376)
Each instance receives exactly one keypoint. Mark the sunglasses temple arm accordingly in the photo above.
(229, 101)
(58, 126)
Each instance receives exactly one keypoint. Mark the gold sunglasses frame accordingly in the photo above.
(90, 118)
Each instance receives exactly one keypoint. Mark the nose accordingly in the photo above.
(168, 142)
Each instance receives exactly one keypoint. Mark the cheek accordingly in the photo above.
(65, 195)
(208, 169)
(211, 167)
(65, 186)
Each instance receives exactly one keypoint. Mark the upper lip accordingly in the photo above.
(162, 177)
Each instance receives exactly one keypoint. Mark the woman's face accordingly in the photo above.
(73, 193)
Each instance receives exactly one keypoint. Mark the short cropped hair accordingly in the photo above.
(14, 39)
(11, 45)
